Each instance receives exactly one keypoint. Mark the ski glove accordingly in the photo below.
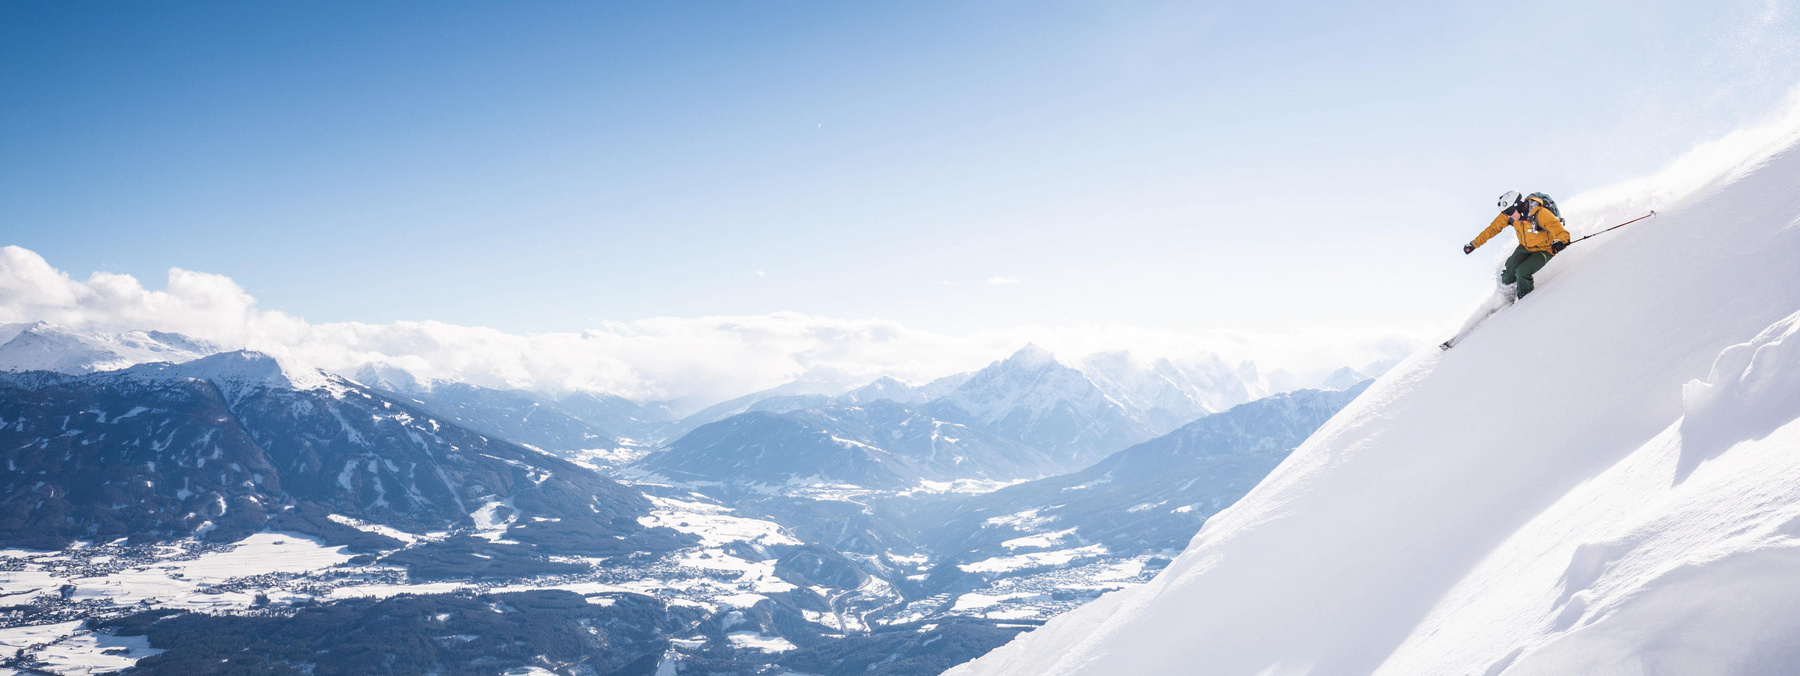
(1468, 248)
(1557, 247)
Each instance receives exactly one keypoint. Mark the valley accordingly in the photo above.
(852, 533)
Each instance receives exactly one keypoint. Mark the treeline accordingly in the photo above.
(485, 634)
(439, 634)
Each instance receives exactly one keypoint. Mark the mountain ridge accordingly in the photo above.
(221, 445)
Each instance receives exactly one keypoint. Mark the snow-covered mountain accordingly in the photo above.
(585, 426)
(610, 411)
(1022, 417)
(1167, 396)
(879, 444)
(390, 378)
(1161, 394)
(779, 399)
(511, 414)
(1088, 409)
(1149, 498)
(1603, 478)
(890, 389)
(41, 346)
(220, 445)
(884, 388)
(799, 396)
(1037, 400)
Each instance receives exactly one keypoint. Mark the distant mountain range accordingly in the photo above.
(834, 531)
(1083, 411)
(1024, 417)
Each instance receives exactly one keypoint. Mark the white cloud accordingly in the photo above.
(657, 358)
(997, 281)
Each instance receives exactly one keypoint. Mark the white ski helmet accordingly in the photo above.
(1510, 199)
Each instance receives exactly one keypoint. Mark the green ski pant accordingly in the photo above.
(1520, 266)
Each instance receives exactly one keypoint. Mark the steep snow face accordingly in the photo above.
(42, 346)
(1552, 496)
(1681, 557)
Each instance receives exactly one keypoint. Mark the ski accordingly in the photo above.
(1493, 305)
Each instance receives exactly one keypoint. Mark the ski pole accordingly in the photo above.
(1616, 227)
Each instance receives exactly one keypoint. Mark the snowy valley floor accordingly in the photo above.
(49, 594)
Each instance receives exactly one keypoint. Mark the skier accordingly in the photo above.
(1541, 235)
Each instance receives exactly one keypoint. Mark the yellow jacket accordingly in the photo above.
(1536, 231)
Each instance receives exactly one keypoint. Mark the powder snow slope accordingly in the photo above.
(1603, 479)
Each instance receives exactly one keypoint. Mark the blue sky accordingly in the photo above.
(548, 166)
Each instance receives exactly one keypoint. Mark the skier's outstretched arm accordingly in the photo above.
(1493, 228)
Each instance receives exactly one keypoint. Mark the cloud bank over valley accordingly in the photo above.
(701, 359)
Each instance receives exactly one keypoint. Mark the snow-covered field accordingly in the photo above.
(716, 525)
(278, 569)
(66, 648)
(1601, 479)
(1057, 557)
(89, 579)
(1033, 596)
(184, 575)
